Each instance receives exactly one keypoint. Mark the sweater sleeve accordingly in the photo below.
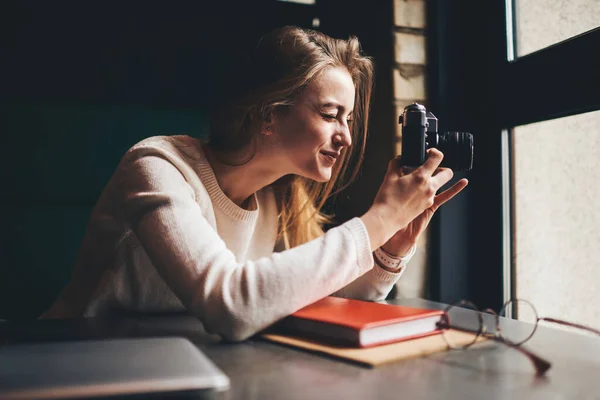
(235, 300)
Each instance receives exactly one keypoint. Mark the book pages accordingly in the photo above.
(374, 356)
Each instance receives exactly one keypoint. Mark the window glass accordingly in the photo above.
(541, 23)
(556, 225)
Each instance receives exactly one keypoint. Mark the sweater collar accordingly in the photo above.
(207, 175)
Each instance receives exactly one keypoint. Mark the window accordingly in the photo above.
(534, 114)
(555, 220)
(556, 216)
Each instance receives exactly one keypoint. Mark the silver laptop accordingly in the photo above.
(105, 368)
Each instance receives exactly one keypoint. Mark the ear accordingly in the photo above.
(267, 129)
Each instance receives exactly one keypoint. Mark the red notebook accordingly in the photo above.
(359, 323)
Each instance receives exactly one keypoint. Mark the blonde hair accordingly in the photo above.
(279, 67)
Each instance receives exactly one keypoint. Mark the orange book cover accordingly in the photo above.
(348, 322)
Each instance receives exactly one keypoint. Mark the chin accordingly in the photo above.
(320, 174)
(316, 170)
(324, 175)
(323, 179)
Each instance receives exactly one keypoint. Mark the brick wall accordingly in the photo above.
(409, 86)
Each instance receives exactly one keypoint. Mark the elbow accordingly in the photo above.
(234, 310)
(237, 336)
(234, 326)
(239, 329)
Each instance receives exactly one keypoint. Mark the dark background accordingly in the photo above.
(82, 82)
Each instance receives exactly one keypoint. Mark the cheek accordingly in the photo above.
(317, 131)
(303, 133)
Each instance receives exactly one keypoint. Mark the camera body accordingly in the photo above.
(420, 132)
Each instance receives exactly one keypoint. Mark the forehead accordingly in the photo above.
(332, 85)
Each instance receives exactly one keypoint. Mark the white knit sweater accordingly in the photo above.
(164, 237)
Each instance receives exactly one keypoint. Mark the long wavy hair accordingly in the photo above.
(269, 79)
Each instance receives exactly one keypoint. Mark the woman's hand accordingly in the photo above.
(403, 240)
(405, 201)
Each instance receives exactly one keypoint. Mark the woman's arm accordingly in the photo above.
(233, 299)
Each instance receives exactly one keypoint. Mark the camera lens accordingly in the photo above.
(458, 150)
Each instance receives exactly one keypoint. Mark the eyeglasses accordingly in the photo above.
(465, 316)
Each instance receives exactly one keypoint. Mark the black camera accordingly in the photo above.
(420, 132)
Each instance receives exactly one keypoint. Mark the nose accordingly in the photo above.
(342, 137)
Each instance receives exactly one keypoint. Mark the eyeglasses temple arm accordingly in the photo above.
(540, 365)
(571, 324)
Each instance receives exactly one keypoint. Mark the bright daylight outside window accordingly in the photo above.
(557, 218)
(542, 23)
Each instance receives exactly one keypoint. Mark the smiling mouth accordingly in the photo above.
(329, 157)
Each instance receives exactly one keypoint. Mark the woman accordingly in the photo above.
(230, 229)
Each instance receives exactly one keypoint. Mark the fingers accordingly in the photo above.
(429, 171)
(441, 176)
(449, 193)
(433, 161)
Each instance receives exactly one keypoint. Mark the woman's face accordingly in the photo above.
(311, 133)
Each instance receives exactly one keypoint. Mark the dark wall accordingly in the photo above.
(82, 82)
(467, 53)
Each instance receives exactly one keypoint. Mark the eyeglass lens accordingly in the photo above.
(463, 316)
(515, 323)
(517, 332)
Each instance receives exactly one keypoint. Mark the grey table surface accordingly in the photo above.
(264, 370)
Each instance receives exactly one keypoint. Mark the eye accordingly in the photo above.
(329, 117)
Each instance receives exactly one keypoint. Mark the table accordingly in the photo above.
(263, 370)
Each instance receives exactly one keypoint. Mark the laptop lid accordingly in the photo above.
(87, 369)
